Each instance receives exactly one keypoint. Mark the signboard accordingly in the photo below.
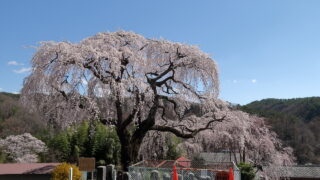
(87, 164)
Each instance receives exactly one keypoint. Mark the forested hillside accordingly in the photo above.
(296, 121)
(15, 119)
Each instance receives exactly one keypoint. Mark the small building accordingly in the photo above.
(301, 172)
(26, 171)
(294, 172)
(222, 157)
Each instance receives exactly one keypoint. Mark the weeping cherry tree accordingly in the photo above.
(127, 81)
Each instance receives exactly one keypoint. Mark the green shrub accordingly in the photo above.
(247, 171)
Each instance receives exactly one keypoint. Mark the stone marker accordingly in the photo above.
(114, 174)
(119, 175)
(109, 172)
(155, 175)
(133, 175)
(139, 176)
(166, 176)
(101, 173)
(126, 176)
(191, 176)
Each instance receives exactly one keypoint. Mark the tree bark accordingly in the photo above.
(129, 154)
(129, 149)
(126, 157)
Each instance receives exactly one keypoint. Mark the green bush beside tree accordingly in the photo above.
(247, 171)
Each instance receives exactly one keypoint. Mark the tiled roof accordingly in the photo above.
(27, 168)
(306, 171)
(219, 157)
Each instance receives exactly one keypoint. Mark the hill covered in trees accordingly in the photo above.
(15, 119)
(296, 121)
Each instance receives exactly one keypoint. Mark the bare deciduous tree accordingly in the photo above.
(128, 81)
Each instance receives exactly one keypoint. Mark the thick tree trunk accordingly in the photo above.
(129, 149)
(129, 154)
(126, 157)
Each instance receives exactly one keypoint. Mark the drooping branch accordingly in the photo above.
(175, 104)
(95, 72)
(161, 75)
(191, 134)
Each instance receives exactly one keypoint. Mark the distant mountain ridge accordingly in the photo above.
(304, 108)
(296, 121)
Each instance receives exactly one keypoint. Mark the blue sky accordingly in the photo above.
(264, 48)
